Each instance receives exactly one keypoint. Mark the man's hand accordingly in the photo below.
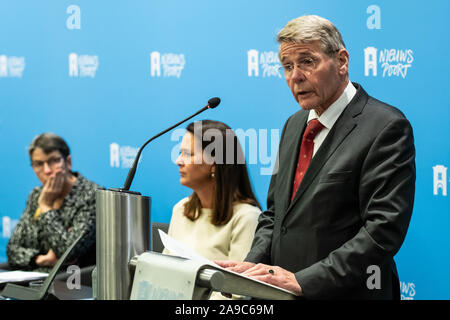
(51, 191)
(270, 274)
(47, 260)
(234, 266)
(274, 275)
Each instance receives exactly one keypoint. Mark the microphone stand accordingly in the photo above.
(123, 229)
(131, 173)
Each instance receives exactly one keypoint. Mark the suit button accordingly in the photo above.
(283, 230)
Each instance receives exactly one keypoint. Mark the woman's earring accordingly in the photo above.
(212, 175)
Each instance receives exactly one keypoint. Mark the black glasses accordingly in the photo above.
(52, 163)
(306, 64)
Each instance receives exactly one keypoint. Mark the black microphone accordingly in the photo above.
(212, 103)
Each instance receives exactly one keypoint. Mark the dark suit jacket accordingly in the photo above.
(353, 206)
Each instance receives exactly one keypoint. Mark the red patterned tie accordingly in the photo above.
(306, 152)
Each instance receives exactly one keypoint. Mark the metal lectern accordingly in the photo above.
(123, 231)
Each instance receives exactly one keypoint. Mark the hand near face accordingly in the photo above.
(47, 260)
(52, 190)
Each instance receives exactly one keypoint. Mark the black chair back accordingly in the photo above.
(157, 245)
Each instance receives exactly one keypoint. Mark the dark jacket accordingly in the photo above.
(353, 206)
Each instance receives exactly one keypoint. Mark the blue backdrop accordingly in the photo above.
(108, 75)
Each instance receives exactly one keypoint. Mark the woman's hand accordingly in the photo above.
(52, 190)
(47, 260)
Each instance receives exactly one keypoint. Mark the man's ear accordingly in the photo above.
(343, 58)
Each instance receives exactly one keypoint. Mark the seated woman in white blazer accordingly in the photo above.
(219, 219)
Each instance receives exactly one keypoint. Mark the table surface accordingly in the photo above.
(62, 291)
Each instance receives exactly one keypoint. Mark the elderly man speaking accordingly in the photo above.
(339, 206)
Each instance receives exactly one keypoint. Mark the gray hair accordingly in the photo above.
(307, 29)
(49, 142)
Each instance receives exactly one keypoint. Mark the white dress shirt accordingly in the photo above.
(329, 117)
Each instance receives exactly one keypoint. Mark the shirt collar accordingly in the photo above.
(329, 117)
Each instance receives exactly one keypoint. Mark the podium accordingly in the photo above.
(164, 277)
(126, 269)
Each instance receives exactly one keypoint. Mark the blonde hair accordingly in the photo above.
(307, 29)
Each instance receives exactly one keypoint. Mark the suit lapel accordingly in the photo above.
(341, 129)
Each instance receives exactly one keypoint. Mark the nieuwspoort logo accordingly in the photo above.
(171, 64)
(265, 64)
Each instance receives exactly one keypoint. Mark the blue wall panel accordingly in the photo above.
(106, 94)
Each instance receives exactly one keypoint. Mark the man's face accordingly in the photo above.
(316, 79)
(48, 165)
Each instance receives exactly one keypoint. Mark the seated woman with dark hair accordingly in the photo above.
(56, 213)
(219, 219)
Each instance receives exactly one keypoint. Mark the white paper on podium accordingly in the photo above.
(18, 276)
(177, 248)
(181, 250)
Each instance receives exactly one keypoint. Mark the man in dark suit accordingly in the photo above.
(339, 207)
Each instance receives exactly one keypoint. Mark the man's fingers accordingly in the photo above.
(242, 267)
(255, 272)
(234, 266)
(258, 269)
(225, 263)
(276, 276)
(268, 278)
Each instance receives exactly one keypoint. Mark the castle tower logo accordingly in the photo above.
(3, 66)
(370, 61)
(12, 67)
(73, 65)
(155, 64)
(6, 230)
(114, 157)
(440, 180)
(8, 226)
(253, 64)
